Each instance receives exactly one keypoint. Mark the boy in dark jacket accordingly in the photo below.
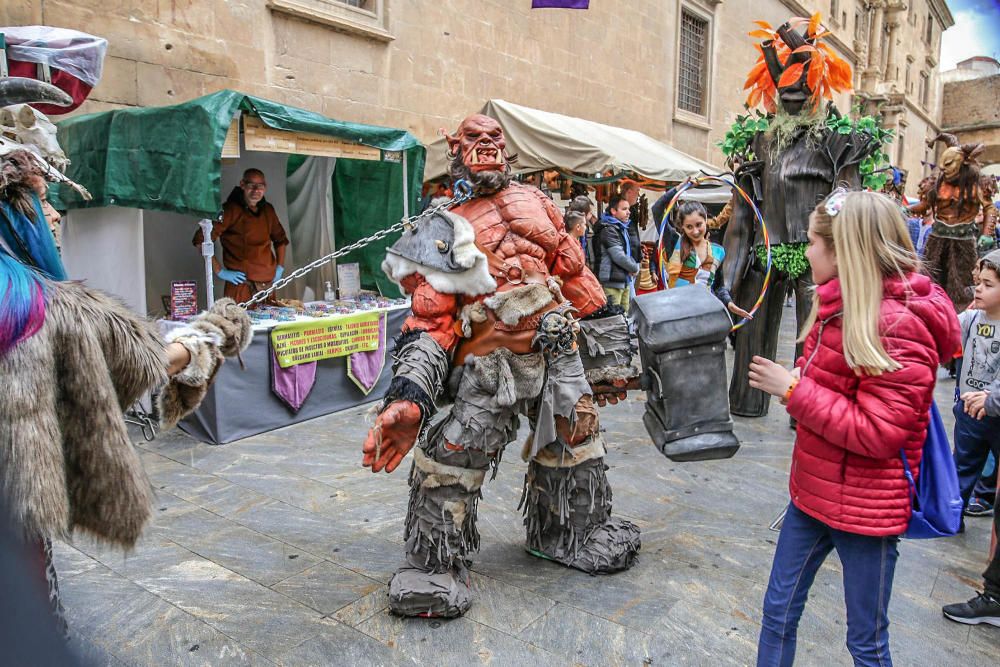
(618, 266)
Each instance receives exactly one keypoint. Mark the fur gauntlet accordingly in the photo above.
(420, 367)
(606, 349)
(224, 330)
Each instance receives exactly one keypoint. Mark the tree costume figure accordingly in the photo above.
(788, 167)
(496, 286)
(955, 195)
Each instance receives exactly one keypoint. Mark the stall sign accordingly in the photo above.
(303, 342)
(183, 300)
(259, 137)
(231, 146)
(349, 280)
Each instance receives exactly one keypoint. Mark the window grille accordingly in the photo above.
(692, 72)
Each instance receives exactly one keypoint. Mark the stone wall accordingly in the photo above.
(972, 113)
(615, 63)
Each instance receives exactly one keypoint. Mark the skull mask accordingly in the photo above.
(951, 162)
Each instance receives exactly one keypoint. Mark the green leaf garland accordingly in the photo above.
(787, 258)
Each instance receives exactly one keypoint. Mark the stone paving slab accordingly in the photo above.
(275, 550)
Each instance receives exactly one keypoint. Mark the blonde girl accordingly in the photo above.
(861, 394)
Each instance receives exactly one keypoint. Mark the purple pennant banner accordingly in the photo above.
(293, 384)
(365, 368)
(560, 4)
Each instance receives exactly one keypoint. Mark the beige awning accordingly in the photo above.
(545, 140)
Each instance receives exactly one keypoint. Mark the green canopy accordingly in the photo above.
(170, 158)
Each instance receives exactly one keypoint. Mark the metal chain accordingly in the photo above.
(463, 192)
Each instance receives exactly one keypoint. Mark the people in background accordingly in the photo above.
(618, 266)
(696, 260)
(977, 435)
(582, 204)
(576, 226)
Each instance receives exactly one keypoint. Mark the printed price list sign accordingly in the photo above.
(183, 300)
(303, 342)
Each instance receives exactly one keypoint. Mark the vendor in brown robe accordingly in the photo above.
(253, 240)
(955, 196)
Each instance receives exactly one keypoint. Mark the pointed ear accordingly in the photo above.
(453, 141)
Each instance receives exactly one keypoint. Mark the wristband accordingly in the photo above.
(788, 392)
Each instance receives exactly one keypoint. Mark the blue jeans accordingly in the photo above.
(868, 564)
(974, 440)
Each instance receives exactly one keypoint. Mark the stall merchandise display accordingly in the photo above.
(321, 309)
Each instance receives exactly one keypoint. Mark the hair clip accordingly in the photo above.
(835, 201)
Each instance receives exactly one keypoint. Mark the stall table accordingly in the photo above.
(240, 403)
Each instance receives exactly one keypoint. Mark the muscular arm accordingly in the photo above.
(420, 369)
(432, 311)
(920, 208)
(718, 221)
(568, 263)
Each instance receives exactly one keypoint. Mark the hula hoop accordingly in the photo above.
(661, 253)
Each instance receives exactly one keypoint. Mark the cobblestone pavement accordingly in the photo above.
(276, 550)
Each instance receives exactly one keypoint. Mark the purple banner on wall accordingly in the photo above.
(560, 4)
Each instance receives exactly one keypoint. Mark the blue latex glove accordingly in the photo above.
(234, 277)
(278, 272)
(986, 242)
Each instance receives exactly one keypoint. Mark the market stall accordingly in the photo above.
(581, 149)
(156, 172)
(574, 156)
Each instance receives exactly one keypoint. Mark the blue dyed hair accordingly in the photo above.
(28, 255)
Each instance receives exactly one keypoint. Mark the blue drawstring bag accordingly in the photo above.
(935, 498)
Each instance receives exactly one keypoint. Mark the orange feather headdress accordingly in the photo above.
(786, 58)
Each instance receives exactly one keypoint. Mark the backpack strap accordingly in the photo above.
(909, 477)
(967, 329)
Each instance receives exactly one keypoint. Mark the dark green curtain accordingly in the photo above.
(367, 197)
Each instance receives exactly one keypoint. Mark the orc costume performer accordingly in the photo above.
(496, 286)
(954, 196)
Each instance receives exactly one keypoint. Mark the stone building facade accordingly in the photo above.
(970, 110)
(673, 69)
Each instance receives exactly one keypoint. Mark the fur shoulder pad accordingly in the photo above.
(442, 248)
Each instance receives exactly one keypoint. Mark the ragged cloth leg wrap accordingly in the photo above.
(440, 534)
(567, 512)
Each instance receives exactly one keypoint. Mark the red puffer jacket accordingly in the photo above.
(846, 467)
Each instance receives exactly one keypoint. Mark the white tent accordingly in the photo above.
(545, 140)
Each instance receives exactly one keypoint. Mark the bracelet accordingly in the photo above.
(788, 392)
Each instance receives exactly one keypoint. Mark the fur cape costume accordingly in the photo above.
(66, 460)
